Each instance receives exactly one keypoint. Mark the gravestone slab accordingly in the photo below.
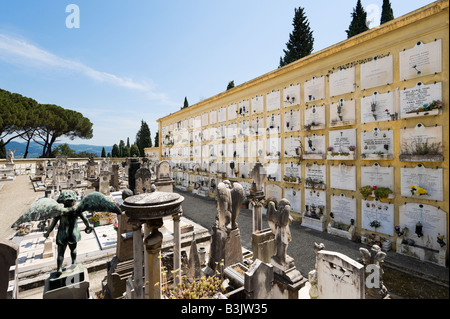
(314, 89)
(420, 60)
(377, 72)
(372, 211)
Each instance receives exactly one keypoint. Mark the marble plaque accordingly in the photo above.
(292, 121)
(232, 131)
(213, 167)
(213, 117)
(377, 143)
(213, 150)
(433, 220)
(342, 82)
(317, 173)
(273, 100)
(340, 140)
(273, 148)
(292, 170)
(257, 104)
(377, 175)
(257, 150)
(275, 191)
(343, 177)
(244, 128)
(315, 117)
(316, 198)
(420, 60)
(314, 145)
(343, 209)
(232, 149)
(273, 123)
(232, 111)
(198, 122)
(377, 211)
(258, 126)
(244, 169)
(415, 141)
(292, 145)
(314, 89)
(205, 135)
(221, 150)
(377, 72)
(294, 196)
(421, 182)
(205, 119)
(413, 99)
(222, 131)
(342, 113)
(242, 149)
(377, 107)
(222, 114)
(244, 108)
(273, 171)
(291, 95)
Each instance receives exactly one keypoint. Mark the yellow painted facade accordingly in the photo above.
(185, 136)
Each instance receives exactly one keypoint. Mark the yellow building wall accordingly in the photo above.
(427, 24)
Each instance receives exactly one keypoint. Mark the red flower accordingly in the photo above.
(374, 187)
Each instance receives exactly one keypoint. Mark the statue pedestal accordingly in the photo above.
(73, 283)
(225, 245)
(287, 279)
(263, 245)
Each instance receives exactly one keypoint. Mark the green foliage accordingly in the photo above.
(157, 139)
(230, 85)
(366, 191)
(301, 39)
(143, 138)
(382, 192)
(359, 21)
(115, 152)
(387, 14)
(134, 150)
(65, 150)
(103, 152)
(2, 149)
(185, 104)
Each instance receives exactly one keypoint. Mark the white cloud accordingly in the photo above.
(17, 51)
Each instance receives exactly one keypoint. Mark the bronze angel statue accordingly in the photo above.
(67, 215)
(279, 219)
(229, 202)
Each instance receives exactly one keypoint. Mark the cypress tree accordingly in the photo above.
(301, 39)
(230, 85)
(387, 14)
(185, 104)
(359, 21)
(103, 152)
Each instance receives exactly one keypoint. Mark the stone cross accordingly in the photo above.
(256, 197)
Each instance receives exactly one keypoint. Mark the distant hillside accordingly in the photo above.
(35, 150)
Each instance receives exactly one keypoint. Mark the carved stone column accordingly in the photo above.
(153, 243)
(177, 248)
(138, 254)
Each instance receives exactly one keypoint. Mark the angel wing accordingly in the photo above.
(237, 198)
(272, 217)
(223, 204)
(43, 209)
(366, 256)
(97, 202)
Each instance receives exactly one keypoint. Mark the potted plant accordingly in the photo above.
(352, 149)
(366, 191)
(330, 150)
(375, 224)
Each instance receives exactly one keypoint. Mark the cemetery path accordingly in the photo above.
(15, 198)
(409, 278)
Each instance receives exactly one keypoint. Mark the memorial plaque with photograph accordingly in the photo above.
(377, 216)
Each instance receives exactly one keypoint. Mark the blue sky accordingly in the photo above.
(138, 59)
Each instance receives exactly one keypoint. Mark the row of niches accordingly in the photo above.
(418, 101)
(417, 144)
(376, 181)
(421, 60)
